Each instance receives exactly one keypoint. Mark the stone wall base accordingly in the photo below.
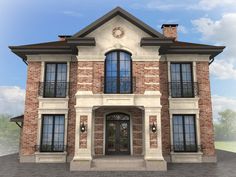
(186, 157)
(27, 159)
(209, 159)
(156, 165)
(80, 165)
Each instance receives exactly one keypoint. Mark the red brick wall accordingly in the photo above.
(83, 135)
(29, 134)
(165, 118)
(153, 135)
(71, 112)
(205, 117)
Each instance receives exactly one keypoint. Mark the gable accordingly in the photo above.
(126, 15)
(107, 41)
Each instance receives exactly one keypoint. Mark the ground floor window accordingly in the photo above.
(184, 133)
(52, 137)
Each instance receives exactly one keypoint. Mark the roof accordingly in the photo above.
(69, 43)
(17, 118)
(179, 47)
(126, 15)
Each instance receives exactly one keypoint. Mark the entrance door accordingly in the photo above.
(117, 134)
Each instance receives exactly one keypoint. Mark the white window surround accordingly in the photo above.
(185, 106)
(52, 106)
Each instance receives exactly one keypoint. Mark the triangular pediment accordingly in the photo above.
(118, 12)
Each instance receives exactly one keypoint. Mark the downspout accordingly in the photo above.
(211, 61)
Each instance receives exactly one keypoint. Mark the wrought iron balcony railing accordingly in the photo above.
(186, 148)
(50, 148)
(53, 89)
(183, 89)
(118, 85)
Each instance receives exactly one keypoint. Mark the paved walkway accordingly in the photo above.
(226, 167)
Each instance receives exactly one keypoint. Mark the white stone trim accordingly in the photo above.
(81, 76)
(151, 83)
(186, 157)
(81, 83)
(151, 76)
(86, 68)
(151, 68)
(51, 58)
(48, 157)
(186, 57)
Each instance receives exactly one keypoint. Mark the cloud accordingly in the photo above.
(223, 70)
(220, 103)
(212, 4)
(72, 13)
(202, 5)
(220, 32)
(182, 29)
(12, 100)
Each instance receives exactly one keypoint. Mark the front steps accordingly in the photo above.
(118, 163)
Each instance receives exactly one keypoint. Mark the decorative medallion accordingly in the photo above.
(118, 32)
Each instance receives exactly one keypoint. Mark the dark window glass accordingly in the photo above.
(55, 84)
(118, 77)
(184, 133)
(181, 80)
(52, 139)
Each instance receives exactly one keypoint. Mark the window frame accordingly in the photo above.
(53, 128)
(45, 76)
(118, 73)
(181, 80)
(184, 134)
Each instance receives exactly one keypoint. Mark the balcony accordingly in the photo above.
(53, 89)
(118, 85)
(183, 89)
(50, 148)
(186, 148)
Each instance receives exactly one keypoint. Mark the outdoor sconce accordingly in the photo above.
(153, 128)
(82, 127)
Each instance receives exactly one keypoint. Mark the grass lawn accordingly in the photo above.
(226, 145)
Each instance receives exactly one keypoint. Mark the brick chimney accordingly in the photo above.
(170, 30)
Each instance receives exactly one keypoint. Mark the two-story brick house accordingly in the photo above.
(118, 95)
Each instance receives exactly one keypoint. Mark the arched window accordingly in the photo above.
(118, 72)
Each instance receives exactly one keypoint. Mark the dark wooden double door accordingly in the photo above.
(118, 134)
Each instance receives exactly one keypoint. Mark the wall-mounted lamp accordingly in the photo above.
(153, 128)
(82, 127)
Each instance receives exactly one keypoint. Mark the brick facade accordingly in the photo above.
(89, 76)
(29, 133)
(165, 117)
(205, 115)
(71, 106)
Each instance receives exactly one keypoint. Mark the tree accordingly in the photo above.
(225, 128)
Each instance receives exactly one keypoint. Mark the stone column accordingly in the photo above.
(83, 140)
(153, 143)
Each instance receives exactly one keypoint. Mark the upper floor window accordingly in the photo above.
(118, 72)
(181, 80)
(184, 133)
(55, 80)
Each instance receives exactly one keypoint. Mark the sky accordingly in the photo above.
(34, 21)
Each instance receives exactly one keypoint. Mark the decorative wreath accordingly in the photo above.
(118, 32)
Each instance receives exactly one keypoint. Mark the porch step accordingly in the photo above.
(118, 163)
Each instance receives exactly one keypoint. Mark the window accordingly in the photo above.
(118, 72)
(184, 133)
(181, 80)
(55, 84)
(52, 137)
